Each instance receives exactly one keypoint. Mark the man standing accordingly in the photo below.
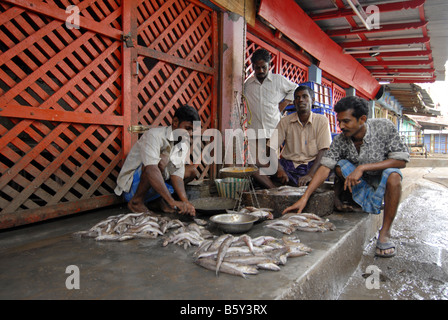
(267, 94)
(366, 158)
(156, 166)
(306, 137)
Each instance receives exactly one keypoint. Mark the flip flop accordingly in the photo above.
(385, 246)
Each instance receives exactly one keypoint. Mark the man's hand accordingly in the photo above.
(297, 207)
(353, 178)
(282, 176)
(303, 181)
(185, 207)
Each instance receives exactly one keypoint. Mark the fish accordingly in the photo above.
(269, 266)
(225, 245)
(287, 230)
(226, 267)
(308, 222)
(260, 213)
(143, 225)
(250, 260)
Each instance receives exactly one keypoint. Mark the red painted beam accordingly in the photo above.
(402, 70)
(414, 53)
(411, 80)
(343, 13)
(292, 21)
(385, 42)
(383, 28)
(397, 63)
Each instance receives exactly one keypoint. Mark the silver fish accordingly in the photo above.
(250, 260)
(222, 251)
(210, 264)
(268, 266)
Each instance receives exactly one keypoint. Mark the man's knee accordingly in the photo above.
(164, 159)
(191, 172)
(394, 181)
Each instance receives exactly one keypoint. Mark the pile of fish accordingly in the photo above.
(130, 226)
(291, 222)
(242, 255)
(191, 234)
(260, 213)
(284, 191)
(236, 255)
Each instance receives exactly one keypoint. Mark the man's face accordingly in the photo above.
(261, 69)
(348, 124)
(303, 101)
(186, 131)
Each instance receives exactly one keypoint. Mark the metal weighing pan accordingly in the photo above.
(213, 205)
(238, 172)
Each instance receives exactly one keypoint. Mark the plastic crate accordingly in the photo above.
(331, 115)
(322, 94)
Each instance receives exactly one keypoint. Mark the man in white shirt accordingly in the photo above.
(267, 94)
(158, 156)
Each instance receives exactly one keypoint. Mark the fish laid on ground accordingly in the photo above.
(242, 255)
(236, 255)
(222, 251)
(143, 225)
(292, 222)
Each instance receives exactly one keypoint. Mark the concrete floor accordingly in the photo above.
(34, 260)
(419, 271)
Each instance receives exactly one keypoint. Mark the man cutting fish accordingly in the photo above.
(156, 166)
(366, 158)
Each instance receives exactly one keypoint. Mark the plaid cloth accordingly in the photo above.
(295, 173)
(150, 196)
(369, 198)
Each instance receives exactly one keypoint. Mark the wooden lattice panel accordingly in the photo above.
(176, 62)
(293, 70)
(338, 93)
(60, 94)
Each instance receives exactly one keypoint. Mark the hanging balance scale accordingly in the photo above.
(245, 171)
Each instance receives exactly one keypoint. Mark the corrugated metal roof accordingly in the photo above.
(407, 42)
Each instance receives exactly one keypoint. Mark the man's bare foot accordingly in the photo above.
(165, 207)
(341, 207)
(137, 207)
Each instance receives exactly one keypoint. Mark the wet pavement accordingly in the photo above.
(419, 271)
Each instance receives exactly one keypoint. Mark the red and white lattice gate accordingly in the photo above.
(68, 95)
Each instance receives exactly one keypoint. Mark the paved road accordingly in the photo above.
(420, 269)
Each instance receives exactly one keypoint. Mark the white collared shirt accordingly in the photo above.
(263, 99)
(153, 143)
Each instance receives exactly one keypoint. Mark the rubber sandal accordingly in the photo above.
(385, 246)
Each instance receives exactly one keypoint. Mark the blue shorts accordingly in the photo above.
(151, 195)
(368, 195)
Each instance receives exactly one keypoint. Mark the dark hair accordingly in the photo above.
(302, 88)
(359, 106)
(186, 113)
(261, 54)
